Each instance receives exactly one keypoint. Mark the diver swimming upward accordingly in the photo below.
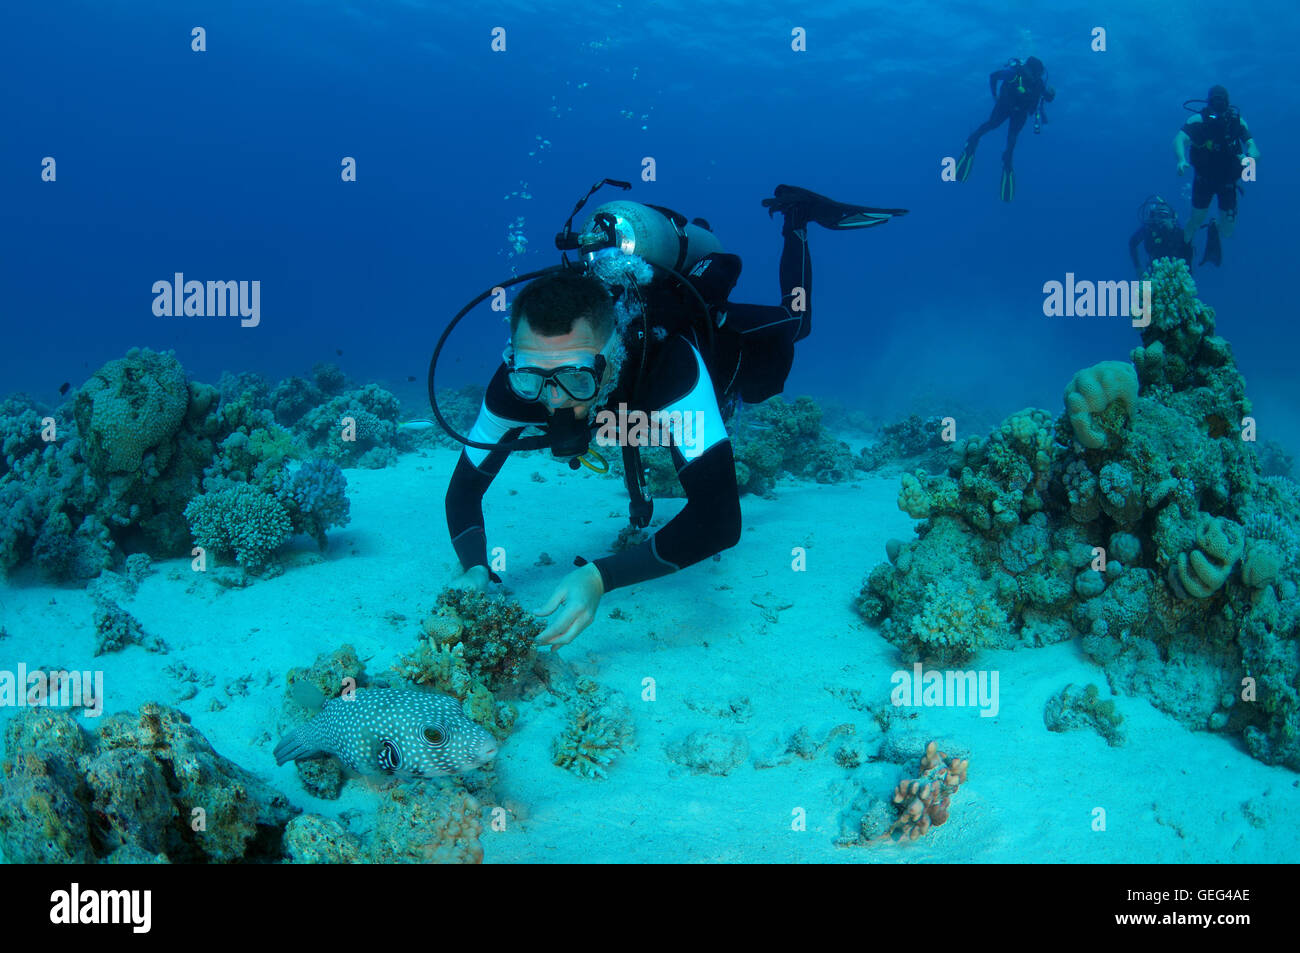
(1024, 90)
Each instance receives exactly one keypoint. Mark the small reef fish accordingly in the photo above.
(392, 731)
(416, 425)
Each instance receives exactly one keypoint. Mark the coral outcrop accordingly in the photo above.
(497, 636)
(1072, 708)
(146, 786)
(1139, 522)
(110, 472)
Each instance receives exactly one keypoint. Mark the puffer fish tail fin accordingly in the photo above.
(299, 743)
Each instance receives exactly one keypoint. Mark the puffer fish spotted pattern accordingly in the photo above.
(392, 731)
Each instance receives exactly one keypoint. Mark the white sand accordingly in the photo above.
(1170, 795)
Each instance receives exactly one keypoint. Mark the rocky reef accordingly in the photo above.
(1138, 520)
(915, 439)
(146, 787)
(427, 822)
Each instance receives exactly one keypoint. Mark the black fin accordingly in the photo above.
(1213, 246)
(809, 206)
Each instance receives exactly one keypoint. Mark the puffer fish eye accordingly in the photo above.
(390, 757)
(435, 735)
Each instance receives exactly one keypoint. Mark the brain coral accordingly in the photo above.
(1094, 390)
(1202, 572)
(129, 407)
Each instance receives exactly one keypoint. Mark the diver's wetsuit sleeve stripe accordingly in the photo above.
(710, 520)
(707, 524)
(699, 408)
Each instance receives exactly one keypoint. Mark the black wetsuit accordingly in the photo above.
(1013, 104)
(1160, 241)
(1216, 150)
(752, 353)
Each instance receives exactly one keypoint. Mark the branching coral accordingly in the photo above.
(599, 727)
(924, 802)
(115, 628)
(779, 436)
(357, 428)
(242, 521)
(315, 497)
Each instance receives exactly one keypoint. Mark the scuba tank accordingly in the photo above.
(658, 235)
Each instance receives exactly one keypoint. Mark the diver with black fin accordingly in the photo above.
(1159, 234)
(837, 216)
(1213, 245)
(1215, 143)
(641, 326)
(1022, 94)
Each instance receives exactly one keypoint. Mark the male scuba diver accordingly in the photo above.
(1159, 233)
(1217, 139)
(644, 322)
(1024, 90)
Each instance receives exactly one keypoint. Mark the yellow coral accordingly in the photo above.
(912, 498)
(1092, 391)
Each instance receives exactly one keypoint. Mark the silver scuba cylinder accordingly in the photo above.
(660, 236)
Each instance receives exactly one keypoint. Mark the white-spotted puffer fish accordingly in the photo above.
(390, 731)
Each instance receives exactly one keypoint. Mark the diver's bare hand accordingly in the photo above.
(579, 593)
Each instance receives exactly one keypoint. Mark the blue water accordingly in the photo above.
(225, 164)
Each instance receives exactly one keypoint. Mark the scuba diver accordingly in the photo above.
(643, 321)
(1217, 139)
(1160, 234)
(1024, 89)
